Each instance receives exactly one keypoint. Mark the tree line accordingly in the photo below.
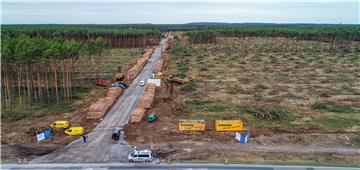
(38, 69)
(324, 34)
(116, 37)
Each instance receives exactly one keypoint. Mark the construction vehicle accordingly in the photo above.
(75, 131)
(158, 74)
(195, 77)
(177, 80)
(116, 134)
(185, 80)
(141, 156)
(60, 124)
(119, 76)
(120, 84)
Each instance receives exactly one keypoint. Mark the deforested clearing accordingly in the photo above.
(298, 92)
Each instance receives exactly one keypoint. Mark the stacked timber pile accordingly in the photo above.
(168, 43)
(158, 66)
(134, 70)
(101, 106)
(148, 52)
(167, 34)
(114, 92)
(140, 63)
(151, 88)
(137, 115)
(163, 50)
(145, 102)
(98, 109)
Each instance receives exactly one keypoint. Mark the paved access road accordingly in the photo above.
(176, 166)
(100, 146)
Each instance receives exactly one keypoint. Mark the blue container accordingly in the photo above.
(48, 133)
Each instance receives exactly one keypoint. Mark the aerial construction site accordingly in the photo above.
(181, 93)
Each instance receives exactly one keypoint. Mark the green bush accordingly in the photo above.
(333, 107)
(209, 106)
(237, 89)
(16, 114)
(318, 106)
(356, 139)
(336, 122)
(270, 113)
(191, 86)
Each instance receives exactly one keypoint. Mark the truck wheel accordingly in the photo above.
(147, 161)
(131, 160)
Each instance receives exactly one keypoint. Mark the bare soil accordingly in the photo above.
(18, 138)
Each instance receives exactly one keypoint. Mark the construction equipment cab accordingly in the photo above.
(158, 74)
(60, 124)
(116, 134)
(141, 156)
(75, 131)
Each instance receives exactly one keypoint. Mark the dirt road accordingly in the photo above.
(177, 166)
(100, 146)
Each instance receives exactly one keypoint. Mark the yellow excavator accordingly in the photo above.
(176, 80)
(157, 75)
(185, 80)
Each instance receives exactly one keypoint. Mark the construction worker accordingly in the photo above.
(85, 136)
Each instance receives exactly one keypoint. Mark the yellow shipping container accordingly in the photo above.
(229, 125)
(192, 125)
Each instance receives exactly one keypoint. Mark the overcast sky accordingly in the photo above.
(175, 12)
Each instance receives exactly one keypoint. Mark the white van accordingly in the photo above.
(141, 156)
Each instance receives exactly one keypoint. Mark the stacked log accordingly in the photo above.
(146, 101)
(114, 92)
(158, 66)
(101, 106)
(140, 63)
(98, 109)
(151, 88)
(148, 52)
(137, 115)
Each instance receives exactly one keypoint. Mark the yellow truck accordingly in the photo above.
(75, 131)
(60, 124)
